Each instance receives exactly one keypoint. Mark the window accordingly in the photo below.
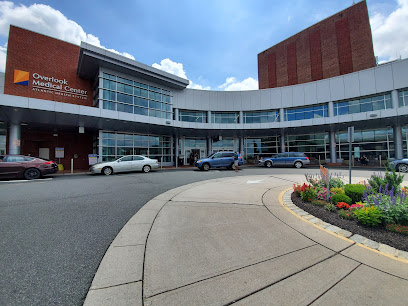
(225, 117)
(403, 97)
(363, 105)
(119, 94)
(302, 113)
(192, 116)
(261, 117)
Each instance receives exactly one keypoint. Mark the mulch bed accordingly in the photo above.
(379, 234)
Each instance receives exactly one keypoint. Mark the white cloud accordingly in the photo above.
(171, 67)
(46, 20)
(177, 69)
(3, 53)
(390, 33)
(232, 84)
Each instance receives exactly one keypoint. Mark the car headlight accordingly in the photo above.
(199, 161)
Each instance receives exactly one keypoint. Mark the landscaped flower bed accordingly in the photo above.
(376, 209)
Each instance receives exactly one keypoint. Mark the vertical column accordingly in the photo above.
(209, 117)
(182, 149)
(394, 99)
(331, 109)
(398, 142)
(332, 141)
(241, 117)
(176, 114)
(176, 140)
(282, 141)
(209, 146)
(241, 146)
(14, 138)
(100, 145)
(281, 115)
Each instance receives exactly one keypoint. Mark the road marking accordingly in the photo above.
(26, 181)
(254, 182)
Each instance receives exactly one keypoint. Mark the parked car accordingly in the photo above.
(126, 163)
(400, 165)
(28, 167)
(288, 159)
(217, 160)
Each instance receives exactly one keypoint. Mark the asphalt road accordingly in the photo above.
(55, 231)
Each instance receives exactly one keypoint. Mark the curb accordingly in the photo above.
(380, 248)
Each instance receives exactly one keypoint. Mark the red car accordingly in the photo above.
(28, 167)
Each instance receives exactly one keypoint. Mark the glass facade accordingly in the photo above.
(302, 113)
(124, 95)
(315, 146)
(265, 146)
(363, 105)
(115, 145)
(192, 116)
(261, 116)
(225, 117)
(371, 143)
(226, 144)
(403, 97)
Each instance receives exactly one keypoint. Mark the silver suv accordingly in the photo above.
(288, 159)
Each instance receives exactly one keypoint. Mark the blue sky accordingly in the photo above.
(212, 43)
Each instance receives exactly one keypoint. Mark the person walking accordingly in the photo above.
(236, 161)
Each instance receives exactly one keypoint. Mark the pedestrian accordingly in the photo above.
(236, 161)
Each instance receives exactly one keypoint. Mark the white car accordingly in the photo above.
(126, 163)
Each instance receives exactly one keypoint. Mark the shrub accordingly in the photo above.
(391, 178)
(370, 216)
(319, 202)
(337, 190)
(397, 228)
(346, 214)
(341, 198)
(342, 205)
(330, 207)
(396, 214)
(335, 182)
(354, 191)
(308, 195)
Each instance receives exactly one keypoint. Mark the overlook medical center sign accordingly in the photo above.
(49, 84)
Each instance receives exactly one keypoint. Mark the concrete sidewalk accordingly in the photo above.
(232, 241)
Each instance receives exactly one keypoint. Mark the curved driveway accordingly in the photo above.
(230, 241)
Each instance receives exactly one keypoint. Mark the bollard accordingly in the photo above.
(72, 165)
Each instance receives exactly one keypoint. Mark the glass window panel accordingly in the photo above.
(125, 108)
(120, 87)
(136, 91)
(109, 95)
(354, 107)
(109, 105)
(108, 142)
(141, 111)
(143, 93)
(129, 89)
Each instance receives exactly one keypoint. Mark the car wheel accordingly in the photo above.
(206, 167)
(268, 164)
(107, 171)
(298, 164)
(146, 169)
(230, 166)
(403, 168)
(32, 174)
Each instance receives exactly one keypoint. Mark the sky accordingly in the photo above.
(212, 43)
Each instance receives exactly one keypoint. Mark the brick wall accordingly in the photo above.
(337, 45)
(49, 57)
(73, 143)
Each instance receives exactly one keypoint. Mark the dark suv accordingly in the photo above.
(217, 160)
(288, 159)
